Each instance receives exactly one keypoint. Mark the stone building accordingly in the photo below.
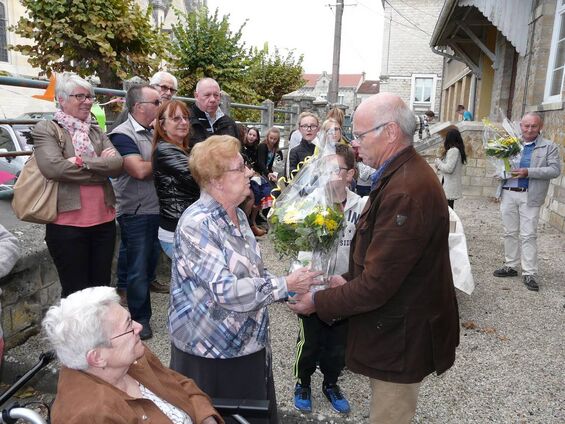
(409, 67)
(508, 56)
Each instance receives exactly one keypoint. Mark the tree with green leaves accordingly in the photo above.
(205, 46)
(112, 39)
(273, 75)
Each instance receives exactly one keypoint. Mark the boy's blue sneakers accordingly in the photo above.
(336, 398)
(302, 398)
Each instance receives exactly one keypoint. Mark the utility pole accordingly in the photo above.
(334, 83)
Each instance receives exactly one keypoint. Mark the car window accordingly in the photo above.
(23, 132)
(6, 141)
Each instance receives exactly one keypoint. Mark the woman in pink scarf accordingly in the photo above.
(81, 158)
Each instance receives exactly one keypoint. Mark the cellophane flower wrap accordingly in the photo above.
(307, 217)
(501, 142)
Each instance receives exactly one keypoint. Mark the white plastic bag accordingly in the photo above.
(459, 256)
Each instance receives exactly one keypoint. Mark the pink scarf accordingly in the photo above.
(79, 133)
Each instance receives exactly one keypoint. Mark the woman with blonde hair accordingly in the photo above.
(308, 125)
(220, 289)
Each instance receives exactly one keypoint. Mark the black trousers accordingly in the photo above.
(82, 255)
(247, 377)
(319, 343)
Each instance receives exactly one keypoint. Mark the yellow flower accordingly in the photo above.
(331, 225)
(319, 220)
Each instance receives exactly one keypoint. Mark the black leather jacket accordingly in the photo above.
(200, 128)
(175, 186)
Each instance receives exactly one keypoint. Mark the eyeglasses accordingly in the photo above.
(338, 170)
(241, 168)
(166, 88)
(123, 334)
(154, 102)
(82, 97)
(359, 137)
(178, 119)
(309, 127)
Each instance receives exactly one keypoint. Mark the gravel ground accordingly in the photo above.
(509, 365)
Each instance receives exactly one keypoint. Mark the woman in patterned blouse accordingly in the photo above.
(220, 289)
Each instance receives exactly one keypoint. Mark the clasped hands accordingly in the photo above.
(302, 302)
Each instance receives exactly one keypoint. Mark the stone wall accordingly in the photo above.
(31, 287)
(477, 174)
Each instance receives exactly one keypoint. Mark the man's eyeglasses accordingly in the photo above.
(178, 119)
(154, 102)
(359, 137)
(166, 88)
(82, 97)
(309, 127)
(123, 334)
(241, 168)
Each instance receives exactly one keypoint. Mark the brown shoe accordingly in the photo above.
(158, 287)
(258, 232)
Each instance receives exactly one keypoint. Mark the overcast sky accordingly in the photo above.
(307, 27)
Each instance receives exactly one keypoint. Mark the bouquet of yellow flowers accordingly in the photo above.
(304, 226)
(306, 218)
(502, 143)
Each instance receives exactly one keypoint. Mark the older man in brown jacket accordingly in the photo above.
(398, 292)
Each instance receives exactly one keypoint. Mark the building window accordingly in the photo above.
(554, 80)
(3, 38)
(340, 99)
(423, 90)
(422, 96)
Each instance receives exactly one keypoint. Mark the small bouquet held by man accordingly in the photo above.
(501, 142)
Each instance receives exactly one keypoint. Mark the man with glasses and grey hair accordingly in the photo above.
(137, 203)
(398, 292)
(165, 83)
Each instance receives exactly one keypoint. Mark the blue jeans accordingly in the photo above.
(139, 253)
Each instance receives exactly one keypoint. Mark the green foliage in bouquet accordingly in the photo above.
(500, 144)
(301, 227)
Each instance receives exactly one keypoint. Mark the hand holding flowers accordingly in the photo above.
(502, 143)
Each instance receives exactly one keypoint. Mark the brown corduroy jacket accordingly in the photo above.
(83, 398)
(400, 299)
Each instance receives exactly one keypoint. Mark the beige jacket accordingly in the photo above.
(53, 164)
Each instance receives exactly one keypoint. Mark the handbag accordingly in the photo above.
(35, 197)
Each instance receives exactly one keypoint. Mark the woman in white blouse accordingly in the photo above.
(451, 165)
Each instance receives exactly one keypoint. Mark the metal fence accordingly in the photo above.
(267, 109)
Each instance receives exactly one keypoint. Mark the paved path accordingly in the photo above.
(509, 366)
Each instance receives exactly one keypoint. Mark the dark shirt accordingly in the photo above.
(300, 152)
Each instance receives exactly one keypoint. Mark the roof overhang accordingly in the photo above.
(462, 23)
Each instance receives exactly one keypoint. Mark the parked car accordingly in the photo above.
(13, 138)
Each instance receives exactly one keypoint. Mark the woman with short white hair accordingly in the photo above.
(108, 374)
(79, 156)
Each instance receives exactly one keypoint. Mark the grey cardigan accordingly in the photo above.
(451, 167)
(53, 164)
(544, 165)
